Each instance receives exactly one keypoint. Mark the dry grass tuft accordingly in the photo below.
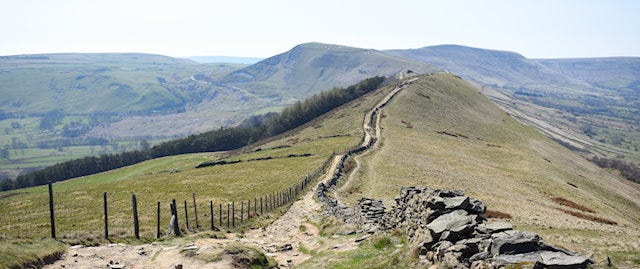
(565, 202)
(494, 214)
(588, 217)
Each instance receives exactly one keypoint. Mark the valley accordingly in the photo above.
(486, 154)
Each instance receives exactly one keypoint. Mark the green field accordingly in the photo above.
(79, 201)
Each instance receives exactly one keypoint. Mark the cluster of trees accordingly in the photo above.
(252, 130)
(628, 170)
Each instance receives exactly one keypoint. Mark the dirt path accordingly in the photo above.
(294, 228)
(369, 130)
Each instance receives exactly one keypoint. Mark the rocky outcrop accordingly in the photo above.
(448, 228)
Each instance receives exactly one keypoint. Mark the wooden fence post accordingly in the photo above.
(260, 205)
(158, 226)
(195, 210)
(172, 213)
(220, 213)
(51, 214)
(255, 206)
(241, 210)
(248, 208)
(106, 216)
(186, 215)
(176, 226)
(228, 214)
(136, 227)
(211, 207)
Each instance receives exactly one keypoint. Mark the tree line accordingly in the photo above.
(249, 131)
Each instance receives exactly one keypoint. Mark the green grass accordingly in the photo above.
(381, 251)
(79, 206)
(24, 252)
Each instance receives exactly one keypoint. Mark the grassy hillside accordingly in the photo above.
(79, 201)
(312, 67)
(56, 107)
(72, 99)
(592, 99)
(440, 132)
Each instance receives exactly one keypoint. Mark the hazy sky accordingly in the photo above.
(261, 28)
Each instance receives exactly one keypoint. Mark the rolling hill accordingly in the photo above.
(438, 132)
(56, 107)
(64, 103)
(591, 103)
(313, 67)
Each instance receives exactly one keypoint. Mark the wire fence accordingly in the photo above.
(120, 214)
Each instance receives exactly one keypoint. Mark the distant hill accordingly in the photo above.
(225, 59)
(112, 83)
(491, 67)
(592, 104)
(613, 73)
(313, 67)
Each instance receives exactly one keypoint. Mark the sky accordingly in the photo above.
(262, 28)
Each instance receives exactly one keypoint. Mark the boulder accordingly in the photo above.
(452, 226)
(514, 242)
(559, 260)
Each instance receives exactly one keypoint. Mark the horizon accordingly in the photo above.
(262, 58)
(534, 29)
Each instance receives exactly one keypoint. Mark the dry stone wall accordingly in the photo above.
(448, 228)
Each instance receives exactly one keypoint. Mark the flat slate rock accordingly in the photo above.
(551, 259)
(498, 226)
(514, 242)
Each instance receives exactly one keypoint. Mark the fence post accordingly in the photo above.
(260, 205)
(220, 213)
(248, 208)
(241, 210)
(228, 214)
(255, 206)
(51, 214)
(211, 207)
(195, 210)
(158, 226)
(172, 213)
(176, 227)
(186, 214)
(106, 216)
(136, 227)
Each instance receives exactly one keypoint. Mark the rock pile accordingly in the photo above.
(448, 228)
(369, 214)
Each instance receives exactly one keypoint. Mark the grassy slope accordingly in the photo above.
(79, 206)
(79, 201)
(595, 94)
(517, 177)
